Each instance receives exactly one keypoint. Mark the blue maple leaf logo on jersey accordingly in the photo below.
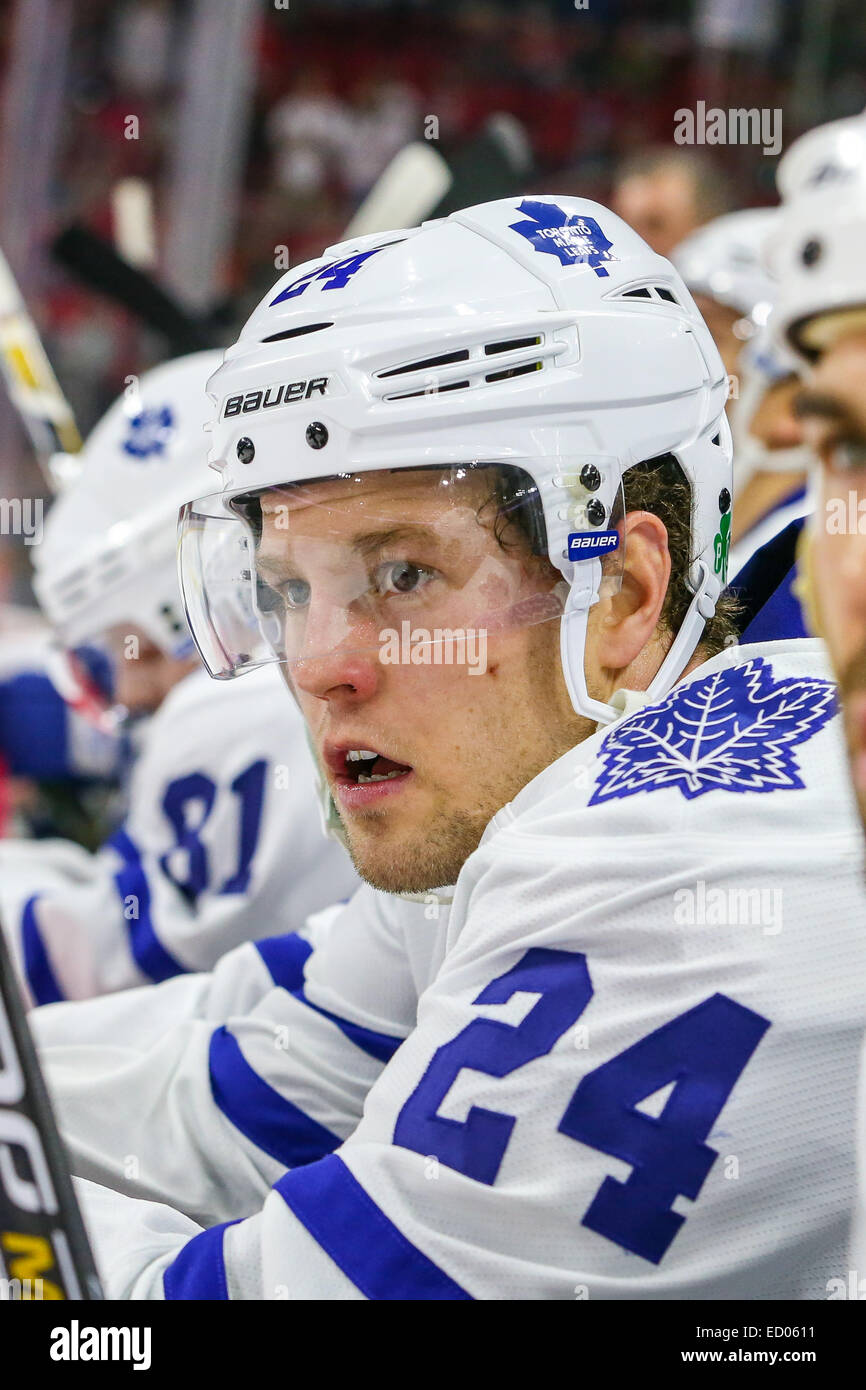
(733, 731)
(149, 432)
(574, 239)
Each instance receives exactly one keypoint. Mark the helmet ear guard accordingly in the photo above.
(704, 582)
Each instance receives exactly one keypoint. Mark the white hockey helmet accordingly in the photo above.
(109, 550)
(724, 261)
(817, 249)
(538, 336)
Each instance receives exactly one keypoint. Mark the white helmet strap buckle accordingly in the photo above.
(573, 645)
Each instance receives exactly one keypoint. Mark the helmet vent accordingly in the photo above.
(445, 360)
(508, 372)
(431, 391)
(652, 294)
(511, 346)
(296, 332)
(520, 356)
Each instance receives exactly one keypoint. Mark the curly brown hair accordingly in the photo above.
(657, 485)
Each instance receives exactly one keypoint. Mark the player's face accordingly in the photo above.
(659, 205)
(454, 742)
(143, 674)
(775, 422)
(833, 412)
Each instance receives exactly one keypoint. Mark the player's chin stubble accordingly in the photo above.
(396, 861)
(428, 854)
(502, 752)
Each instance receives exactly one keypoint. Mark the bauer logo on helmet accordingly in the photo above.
(271, 396)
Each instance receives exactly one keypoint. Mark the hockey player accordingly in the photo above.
(723, 265)
(621, 1062)
(221, 837)
(822, 315)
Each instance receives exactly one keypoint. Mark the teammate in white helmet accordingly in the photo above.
(818, 254)
(474, 477)
(723, 265)
(221, 839)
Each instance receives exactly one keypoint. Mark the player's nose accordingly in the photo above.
(338, 657)
(338, 674)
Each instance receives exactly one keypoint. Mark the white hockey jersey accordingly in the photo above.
(222, 842)
(622, 1064)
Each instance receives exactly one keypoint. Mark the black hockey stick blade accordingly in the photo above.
(495, 164)
(96, 263)
(44, 1250)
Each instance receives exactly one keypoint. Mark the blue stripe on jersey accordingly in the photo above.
(379, 1045)
(366, 1245)
(149, 954)
(199, 1271)
(273, 1123)
(285, 957)
(44, 985)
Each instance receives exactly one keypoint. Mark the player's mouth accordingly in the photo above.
(364, 776)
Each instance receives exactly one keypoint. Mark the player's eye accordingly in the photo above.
(289, 593)
(401, 577)
(845, 454)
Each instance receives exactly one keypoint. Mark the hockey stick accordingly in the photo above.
(418, 184)
(44, 1250)
(96, 263)
(132, 216)
(492, 165)
(413, 183)
(33, 388)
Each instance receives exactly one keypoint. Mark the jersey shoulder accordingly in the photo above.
(202, 717)
(748, 744)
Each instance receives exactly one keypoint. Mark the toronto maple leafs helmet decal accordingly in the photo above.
(734, 730)
(149, 431)
(575, 240)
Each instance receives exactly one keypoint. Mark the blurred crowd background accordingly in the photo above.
(334, 89)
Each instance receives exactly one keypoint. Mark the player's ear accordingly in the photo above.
(628, 618)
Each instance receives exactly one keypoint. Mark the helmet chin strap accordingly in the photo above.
(573, 627)
(754, 457)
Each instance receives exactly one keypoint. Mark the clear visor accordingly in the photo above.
(405, 566)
